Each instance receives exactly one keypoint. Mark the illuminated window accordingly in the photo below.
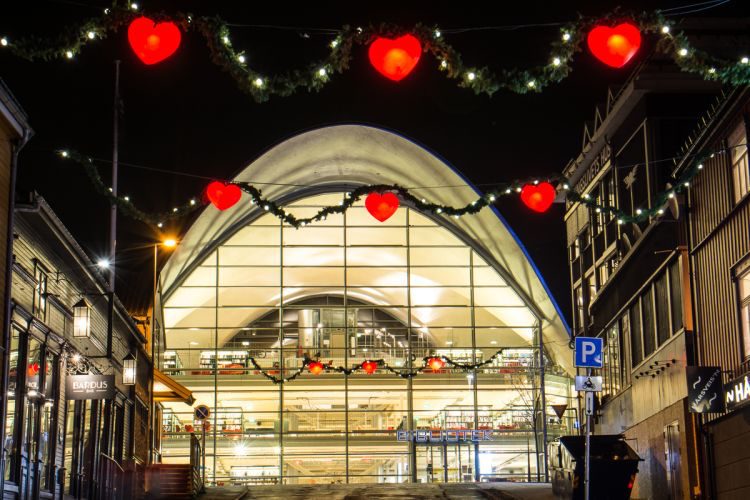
(743, 289)
(737, 144)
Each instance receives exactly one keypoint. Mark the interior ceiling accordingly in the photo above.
(353, 155)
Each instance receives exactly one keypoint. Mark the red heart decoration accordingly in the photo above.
(315, 367)
(395, 59)
(381, 206)
(614, 46)
(153, 42)
(538, 197)
(222, 195)
(369, 367)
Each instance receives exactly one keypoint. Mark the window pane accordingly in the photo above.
(675, 296)
(647, 307)
(662, 310)
(636, 343)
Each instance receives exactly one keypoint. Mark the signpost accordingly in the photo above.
(89, 387)
(202, 412)
(588, 354)
(705, 391)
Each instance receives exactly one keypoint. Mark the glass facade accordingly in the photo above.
(345, 290)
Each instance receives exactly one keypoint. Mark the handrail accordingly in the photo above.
(111, 479)
(196, 455)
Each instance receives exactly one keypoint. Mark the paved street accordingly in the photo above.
(495, 491)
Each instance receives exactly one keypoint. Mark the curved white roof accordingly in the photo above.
(336, 158)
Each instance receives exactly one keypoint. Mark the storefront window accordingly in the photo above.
(9, 449)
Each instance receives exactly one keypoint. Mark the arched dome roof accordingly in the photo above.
(337, 158)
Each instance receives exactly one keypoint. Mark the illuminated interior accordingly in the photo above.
(344, 290)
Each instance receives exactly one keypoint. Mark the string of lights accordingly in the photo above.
(370, 366)
(558, 187)
(431, 40)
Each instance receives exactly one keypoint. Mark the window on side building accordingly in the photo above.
(737, 144)
(40, 291)
(743, 288)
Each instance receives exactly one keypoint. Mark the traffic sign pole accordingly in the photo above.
(589, 411)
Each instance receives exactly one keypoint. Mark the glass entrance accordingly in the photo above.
(445, 462)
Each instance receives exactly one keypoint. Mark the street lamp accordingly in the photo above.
(82, 319)
(128, 370)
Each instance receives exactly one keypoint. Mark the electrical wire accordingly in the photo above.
(441, 186)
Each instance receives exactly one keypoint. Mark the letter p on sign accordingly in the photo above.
(588, 353)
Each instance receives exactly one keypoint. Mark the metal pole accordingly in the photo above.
(544, 402)
(113, 206)
(589, 410)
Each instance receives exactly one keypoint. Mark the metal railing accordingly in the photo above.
(196, 465)
(110, 485)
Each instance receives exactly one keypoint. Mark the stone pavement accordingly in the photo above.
(451, 491)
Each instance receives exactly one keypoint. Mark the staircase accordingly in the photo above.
(171, 481)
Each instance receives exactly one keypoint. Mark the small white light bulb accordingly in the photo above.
(566, 36)
(91, 35)
(639, 211)
(322, 72)
(556, 61)
(439, 210)
(174, 209)
(334, 43)
(745, 60)
(258, 82)
(531, 84)
(69, 54)
(265, 207)
(471, 76)
(619, 221)
(241, 58)
(711, 71)
(160, 224)
(192, 202)
(134, 6)
(492, 197)
(4, 41)
(518, 190)
(225, 39)
(671, 195)
(64, 154)
(126, 198)
(103, 263)
(443, 64)
(665, 29)
(700, 166)
(687, 184)
(683, 52)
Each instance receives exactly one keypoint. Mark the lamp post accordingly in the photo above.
(168, 243)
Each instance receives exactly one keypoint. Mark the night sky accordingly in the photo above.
(185, 115)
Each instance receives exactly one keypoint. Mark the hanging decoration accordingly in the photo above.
(317, 367)
(153, 42)
(538, 197)
(369, 367)
(223, 196)
(395, 58)
(611, 42)
(436, 363)
(614, 46)
(539, 194)
(381, 206)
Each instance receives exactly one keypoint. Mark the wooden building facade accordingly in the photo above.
(630, 281)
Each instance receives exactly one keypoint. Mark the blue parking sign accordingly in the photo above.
(589, 352)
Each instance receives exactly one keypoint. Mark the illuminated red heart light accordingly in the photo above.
(614, 46)
(395, 59)
(369, 367)
(538, 197)
(222, 195)
(315, 367)
(153, 42)
(381, 206)
(436, 363)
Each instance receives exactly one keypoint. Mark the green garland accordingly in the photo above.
(479, 79)
(381, 364)
(158, 219)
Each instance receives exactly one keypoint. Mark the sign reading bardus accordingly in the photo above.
(440, 436)
(737, 392)
(90, 387)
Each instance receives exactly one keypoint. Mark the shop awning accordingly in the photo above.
(168, 389)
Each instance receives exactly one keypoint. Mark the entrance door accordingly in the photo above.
(442, 462)
(673, 462)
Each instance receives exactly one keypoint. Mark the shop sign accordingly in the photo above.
(90, 387)
(449, 436)
(705, 394)
(737, 392)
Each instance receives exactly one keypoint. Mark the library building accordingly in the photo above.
(268, 326)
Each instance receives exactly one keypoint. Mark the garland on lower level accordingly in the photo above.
(370, 366)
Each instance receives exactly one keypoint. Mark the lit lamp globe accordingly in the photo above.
(82, 319)
(128, 370)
